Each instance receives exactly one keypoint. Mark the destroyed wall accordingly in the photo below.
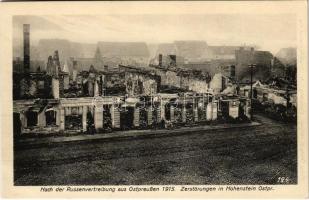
(192, 82)
(88, 84)
(199, 86)
(173, 79)
(140, 84)
(31, 86)
(115, 79)
(33, 115)
(218, 83)
(184, 81)
(162, 74)
(228, 71)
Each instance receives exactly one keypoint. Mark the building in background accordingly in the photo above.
(262, 60)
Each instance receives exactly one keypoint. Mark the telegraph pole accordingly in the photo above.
(251, 83)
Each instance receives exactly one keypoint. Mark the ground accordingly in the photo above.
(255, 155)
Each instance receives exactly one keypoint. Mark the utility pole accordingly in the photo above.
(251, 83)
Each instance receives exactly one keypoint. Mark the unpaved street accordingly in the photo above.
(255, 155)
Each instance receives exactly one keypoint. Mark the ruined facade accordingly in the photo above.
(140, 82)
(106, 113)
(218, 83)
(178, 77)
(228, 71)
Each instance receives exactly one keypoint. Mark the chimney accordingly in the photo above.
(56, 62)
(56, 58)
(26, 28)
(160, 60)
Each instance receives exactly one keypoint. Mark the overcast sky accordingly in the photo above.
(269, 32)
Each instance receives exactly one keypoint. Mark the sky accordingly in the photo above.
(268, 32)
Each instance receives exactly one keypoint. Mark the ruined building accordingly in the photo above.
(27, 83)
(53, 65)
(262, 60)
(178, 77)
(228, 71)
(65, 100)
(140, 81)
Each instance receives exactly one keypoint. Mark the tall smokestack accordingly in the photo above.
(26, 28)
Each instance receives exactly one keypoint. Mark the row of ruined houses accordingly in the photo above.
(129, 80)
(265, 93)
(58, 82)
(113, 113)
(85, 84)
(190, 80)
(140, 106)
